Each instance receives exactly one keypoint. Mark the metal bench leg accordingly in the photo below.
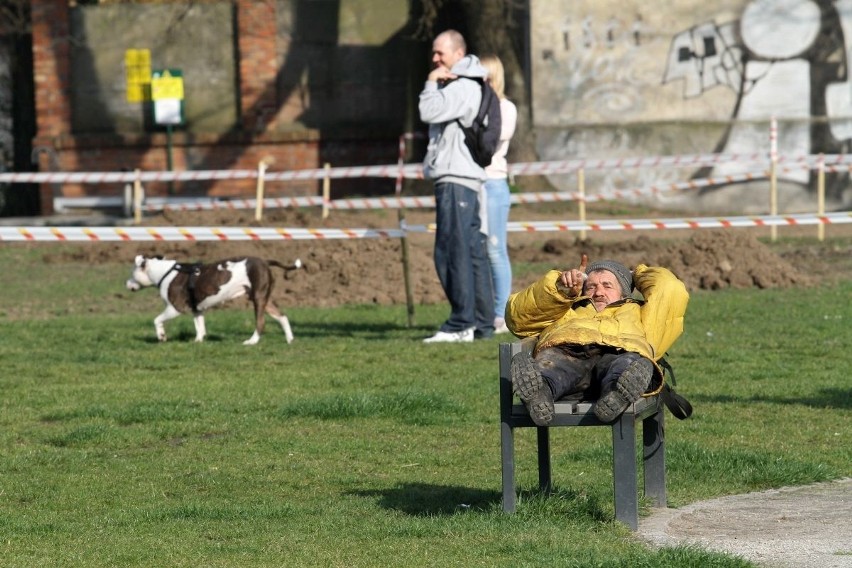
(544, 479)
(507, 433)
(507, 451)
(624, 471)
(654, 456)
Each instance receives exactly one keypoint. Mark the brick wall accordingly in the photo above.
(51, 78)
(257, 29)
(255, 137)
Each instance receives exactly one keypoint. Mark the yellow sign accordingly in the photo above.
(137, 69)
(167, 84)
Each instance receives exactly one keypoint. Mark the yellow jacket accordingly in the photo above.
(648, 327)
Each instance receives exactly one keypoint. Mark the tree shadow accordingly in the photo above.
(327, 78)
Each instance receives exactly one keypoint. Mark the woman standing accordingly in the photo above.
(496, 194)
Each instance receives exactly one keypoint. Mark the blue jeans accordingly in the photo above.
(461, 260)
(498, 203)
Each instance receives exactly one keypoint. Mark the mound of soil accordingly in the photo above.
(708, 260)
(371, 270)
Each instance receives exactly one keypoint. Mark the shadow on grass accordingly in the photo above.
(425, 500)
(824, 398)
(340, 329)
(368, 331)
(362, 330)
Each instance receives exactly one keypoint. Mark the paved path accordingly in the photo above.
(793, 527)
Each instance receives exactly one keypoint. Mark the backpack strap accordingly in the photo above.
(676, 403)
(483, 107)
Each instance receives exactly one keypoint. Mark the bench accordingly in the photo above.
(649, 411)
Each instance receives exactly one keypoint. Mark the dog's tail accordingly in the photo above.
(287, 267)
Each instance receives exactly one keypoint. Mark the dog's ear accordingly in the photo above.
(159, 257)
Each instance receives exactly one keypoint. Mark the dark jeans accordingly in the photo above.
(582, 372)
(461, 260)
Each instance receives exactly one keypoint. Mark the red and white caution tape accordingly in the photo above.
(282, 202)
(202, 204)
(186, 234)
(198, 234)
(124, 177)
(415, 171)
(206, 204)
(636, 192)
(696, 223)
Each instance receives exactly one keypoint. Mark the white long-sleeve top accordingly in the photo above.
(499, 168)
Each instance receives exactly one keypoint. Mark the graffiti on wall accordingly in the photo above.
(616, 78)
(596, 64)
(782, 58)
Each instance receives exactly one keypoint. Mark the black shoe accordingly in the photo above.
(531, 389)
(628, 389)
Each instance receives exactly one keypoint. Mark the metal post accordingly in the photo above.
(406, 265)
(169, 161)
(624, 471)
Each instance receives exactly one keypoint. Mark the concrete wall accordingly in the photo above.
(616, 78)
(196, 38)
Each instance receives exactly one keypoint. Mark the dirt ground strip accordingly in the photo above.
(370, 270)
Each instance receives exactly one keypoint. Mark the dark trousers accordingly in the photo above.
(582, 372)
(461, 260)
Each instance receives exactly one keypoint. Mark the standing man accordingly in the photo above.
(452, 95)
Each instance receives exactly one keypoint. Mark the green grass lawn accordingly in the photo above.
(358, 445)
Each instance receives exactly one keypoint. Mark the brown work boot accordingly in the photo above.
(530, 387)
(628, 389)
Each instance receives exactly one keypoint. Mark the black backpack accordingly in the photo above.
(483, 136)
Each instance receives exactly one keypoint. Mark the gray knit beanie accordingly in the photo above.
(625, 279)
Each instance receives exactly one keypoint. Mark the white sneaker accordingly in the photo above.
(464, 336)
(500, 326)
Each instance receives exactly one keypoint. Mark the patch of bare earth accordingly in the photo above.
(358, 271)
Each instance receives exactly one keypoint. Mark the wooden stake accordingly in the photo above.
(326, 191)
(773, 175)
(137, 197)
(261, 174)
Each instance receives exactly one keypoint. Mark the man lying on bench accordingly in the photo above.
(595, 340)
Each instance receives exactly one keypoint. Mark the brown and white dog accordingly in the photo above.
(193, 288)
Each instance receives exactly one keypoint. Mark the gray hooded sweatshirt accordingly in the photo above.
(447, 156)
